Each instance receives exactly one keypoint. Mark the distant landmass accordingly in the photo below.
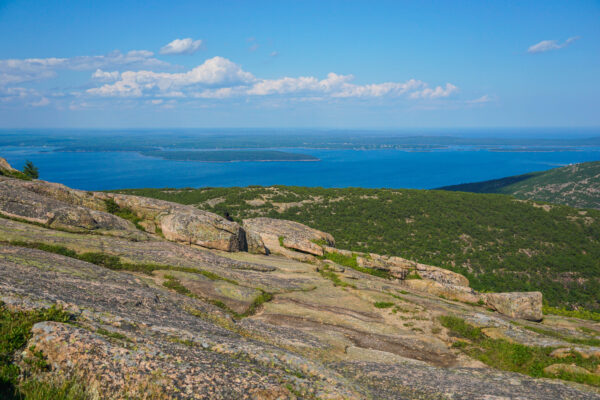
(230, 155)
(576, 185)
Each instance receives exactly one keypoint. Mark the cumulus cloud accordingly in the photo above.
(182, 46)
(220, 78)
(105, 75)
(217, 71)
(548, 45)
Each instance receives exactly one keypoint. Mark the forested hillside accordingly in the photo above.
(498, 242)
(575, 185)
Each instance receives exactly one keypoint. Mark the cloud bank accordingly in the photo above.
(219, 77)
(139, 75)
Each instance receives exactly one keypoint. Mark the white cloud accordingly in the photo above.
(105, 75)
(435, 93)
(547, 45)
(30, 69)
(219, 78)
(138, 74)
(216, 71)
(480, 100)
(25, 96)
(182, 46)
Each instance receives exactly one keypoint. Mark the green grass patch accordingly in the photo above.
(570, 339)
(383, 304)
(15, 174)
(258, 301)
(15, 331)
(126, 213)
(351, 262)
(582, 314)
(504, 355)
(173, 283)
(413, 275)
(333, 277)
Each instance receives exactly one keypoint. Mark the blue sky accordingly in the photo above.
(339, 64)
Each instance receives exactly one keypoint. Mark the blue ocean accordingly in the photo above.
(337, 168)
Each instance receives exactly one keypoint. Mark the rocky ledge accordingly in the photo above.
(182, 315)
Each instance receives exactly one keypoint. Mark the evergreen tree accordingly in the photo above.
(30, 170)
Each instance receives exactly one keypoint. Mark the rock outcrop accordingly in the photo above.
(18, 202)
(523, 305)
(6, 167)
(451, 292)
(170, 320)
(59, 206)
(288, 238)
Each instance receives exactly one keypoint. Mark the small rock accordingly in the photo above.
(561, 352)
(556, 369)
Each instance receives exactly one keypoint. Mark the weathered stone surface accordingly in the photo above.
(5, 166)
(255, 243)
(400, 267)
(316, 333)
(423, 382)
(452, 292)
(441, 275)
(287, 238)
(203, 229)
(18, 202)
(524, 305)
(329, 249)
(302, 246)
(46, 202)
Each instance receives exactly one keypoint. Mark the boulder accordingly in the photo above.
(255, 243)
(524, 305)
(303, 246)
(193, 226)
(288, 238)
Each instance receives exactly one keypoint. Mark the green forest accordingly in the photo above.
(500, 243)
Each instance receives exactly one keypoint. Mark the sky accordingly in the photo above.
(323, 64)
